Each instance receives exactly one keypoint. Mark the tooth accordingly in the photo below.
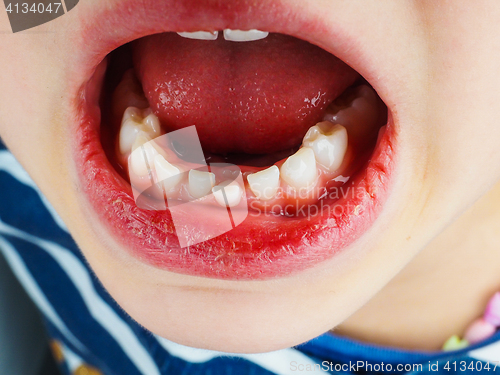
(328, 142)
(168, 175)
(264, 184)
(244, 36)
(200, 183)
(135, 121)
(141, 139)
(299, 170)
(201, 35)
(232, 192)
(360, 116)
(128, 93)
(151, 123)
(143, 154)
(137, 161)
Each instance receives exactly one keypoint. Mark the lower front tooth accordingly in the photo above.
(264, 184)
(200, 183)
(168, 175)
(329, 144)
(227, 194)
(299, 170)
(244, 36)
(200, 35)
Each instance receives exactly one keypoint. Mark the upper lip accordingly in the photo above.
(112, 26)
(106, 28)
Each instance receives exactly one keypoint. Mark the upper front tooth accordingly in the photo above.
(244, 36)
(201, 35)
(168, 175)
(228, 193)
(299, 170)
(328, 142)
(135, 121)
(200, 183)
(264, 184)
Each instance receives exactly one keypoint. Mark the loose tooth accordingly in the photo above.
(135, 121)
(167, 174)
(264, 184)
(299, 170)
(200, 35)
(200, 183)
(328, 142)
(244, 36)
(232, 192)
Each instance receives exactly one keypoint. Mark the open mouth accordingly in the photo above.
(311, 137)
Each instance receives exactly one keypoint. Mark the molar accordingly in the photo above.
(200, 35)
(264, 184)
(299, 170)
(134, 122)
(244, 35)
(329, 144)
(360, 116)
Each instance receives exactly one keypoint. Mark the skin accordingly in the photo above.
(438, 63)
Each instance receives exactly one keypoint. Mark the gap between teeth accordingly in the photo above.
(231, 35)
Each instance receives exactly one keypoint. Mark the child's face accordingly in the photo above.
(434, 64)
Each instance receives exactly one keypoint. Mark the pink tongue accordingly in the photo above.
(244, 97)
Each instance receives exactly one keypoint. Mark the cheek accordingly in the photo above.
(455, 141)
(34, 109)
(464, 112)
(33, 101)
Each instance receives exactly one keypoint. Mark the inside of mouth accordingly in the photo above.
(277, 108)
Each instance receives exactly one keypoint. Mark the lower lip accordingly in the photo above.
(259, 248)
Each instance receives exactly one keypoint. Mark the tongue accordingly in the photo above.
(244, 97)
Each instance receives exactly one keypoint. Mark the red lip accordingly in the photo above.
(260, 247)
